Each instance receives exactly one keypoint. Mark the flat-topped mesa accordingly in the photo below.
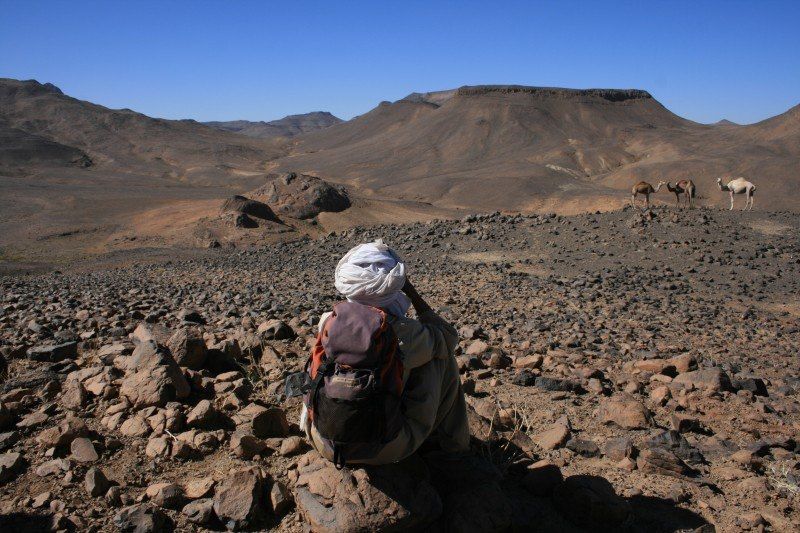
(612, 95)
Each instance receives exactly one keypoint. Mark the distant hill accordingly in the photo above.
(523, 148)
(286, 127)
(127, 141)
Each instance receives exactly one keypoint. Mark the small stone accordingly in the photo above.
(96, 482)
(11, 465)
(553, 438)
(246, 446)
(83, 450)
(627, 413)
(169, 495)
(280, 498)
(291, 446)
(140, 518)
(199, 511)
(199, 487)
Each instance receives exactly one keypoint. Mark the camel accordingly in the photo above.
(739, 186)
(685, 188)
(646, 189)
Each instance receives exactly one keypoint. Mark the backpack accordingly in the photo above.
(355, 382)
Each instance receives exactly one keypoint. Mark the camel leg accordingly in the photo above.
(752, 198)
(633, 200)
(731, 208)
(646, 202)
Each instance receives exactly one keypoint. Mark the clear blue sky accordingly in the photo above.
(262, 60)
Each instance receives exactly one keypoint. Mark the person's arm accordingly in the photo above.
(420, 305)
(430, 337)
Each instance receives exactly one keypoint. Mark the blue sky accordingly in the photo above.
(230, 59)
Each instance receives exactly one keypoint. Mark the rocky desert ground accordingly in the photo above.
(625, 371)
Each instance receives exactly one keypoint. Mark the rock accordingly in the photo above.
(558, 385)
(11, 465)
(302, 196)
(141, 518)
(199, 511)
(63, 434)
(542, 478)
(662, 461)
(618, 448)
(136, 426)
(524, 378)
(54, 352)
(754, 385)
(627, 413)
(530, 362)
(246, 206)
(707, 379)
(53, 467)
(499, 361)
(291, 446)
(188, 348)
(238, 499)
(388, 497)
(169, 495)
(280, 498)
(590, 502)
(477, 347)
(198, 487)
(583, 447)
(553, 438)
(276, 330)
(74, 396)
(114, 496)
(155, 378)
(262, 422)
(83, 450)
(158, 447)
(96, 483)
(204, 416)
(683, 363)
(246, 446)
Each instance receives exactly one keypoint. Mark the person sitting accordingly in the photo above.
(382, 383)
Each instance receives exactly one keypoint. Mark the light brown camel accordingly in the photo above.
(739, 186)
(683, 188)
(646, 189)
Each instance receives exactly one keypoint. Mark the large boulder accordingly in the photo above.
(390, 497)
(153, 377)
(302, 196)
(247, 206)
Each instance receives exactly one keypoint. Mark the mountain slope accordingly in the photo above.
(512, 147)
(126, 141)
(288, 126)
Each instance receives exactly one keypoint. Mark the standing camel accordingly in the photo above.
(646, 189)
(685, 188)
(739, 186)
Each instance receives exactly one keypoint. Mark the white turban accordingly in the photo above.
(372, 274)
